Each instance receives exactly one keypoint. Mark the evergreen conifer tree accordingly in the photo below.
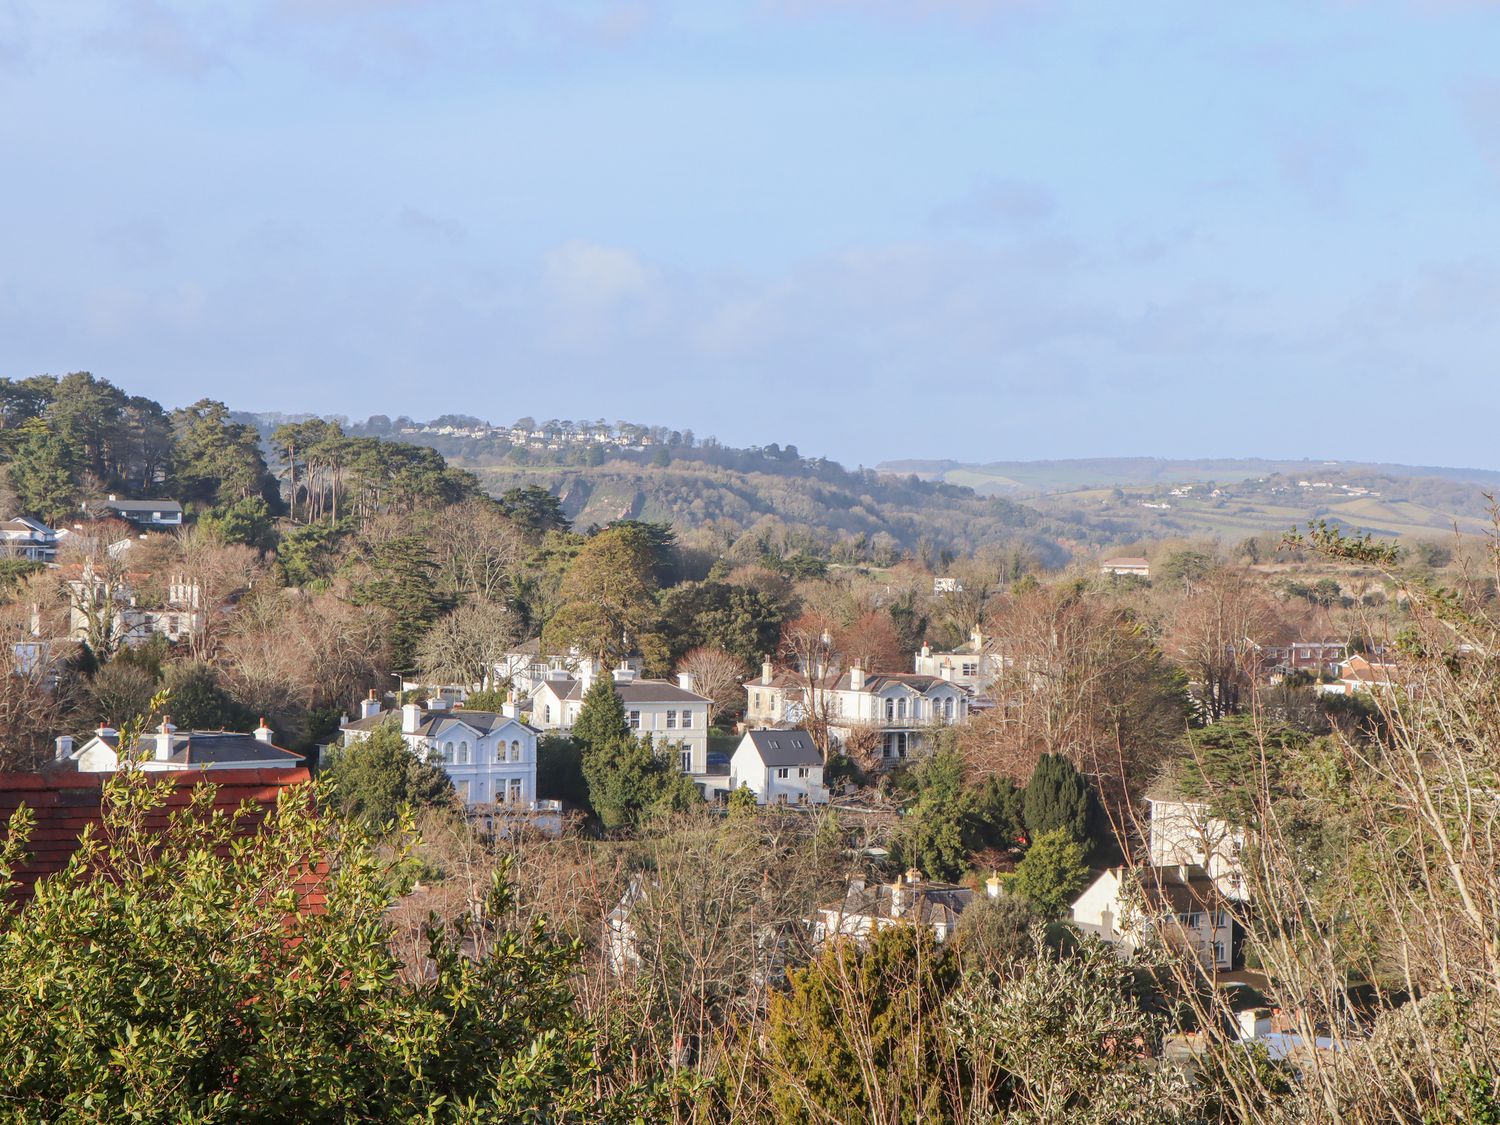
(1058, 796)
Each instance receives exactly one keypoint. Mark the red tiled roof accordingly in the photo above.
(66, 802)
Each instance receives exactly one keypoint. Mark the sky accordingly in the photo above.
(965, 229)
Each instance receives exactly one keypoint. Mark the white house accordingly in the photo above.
(909, 901)
(26, 538)
(971, 666)
(1126, 565)
(1358, 674)
(168, 749)
(526, 667)
(901, 707)
(781, 767)
(490, 757)
(1185, 832)
(1180, 905)
(91, 593)
(155, 514)
(675, 716)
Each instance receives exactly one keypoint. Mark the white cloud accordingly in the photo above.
(585, 273)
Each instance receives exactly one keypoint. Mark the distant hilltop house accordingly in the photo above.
(1126, 565)
(674, 715)
(900, 707)
(27, 538)
(168, 749)
(947, 586)
(781, 767)
(489, 756)
(910, 901)
(148, 515)
(1179, 904)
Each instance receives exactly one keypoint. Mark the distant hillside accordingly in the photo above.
(714, 493)
(1023, 478)
(1140, 497)
(816, 504)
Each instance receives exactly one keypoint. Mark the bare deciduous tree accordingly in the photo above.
(466, 645)
(1216, 633)
(719, 676)
(477, 550)
(1076, 675)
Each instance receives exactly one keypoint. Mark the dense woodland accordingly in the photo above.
(456, 976)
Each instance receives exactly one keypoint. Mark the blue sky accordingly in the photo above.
(977, 229)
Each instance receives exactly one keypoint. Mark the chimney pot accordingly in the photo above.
(411, 718)
(767, 672)
(263, 732)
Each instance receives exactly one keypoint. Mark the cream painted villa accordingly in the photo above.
(674, 715)
(902, 707)
(1184, 831)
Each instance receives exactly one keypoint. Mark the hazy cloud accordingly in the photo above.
(189, 42)
(966, 10)
(139, 242)
(423, 225)
(1004, 201)
(1318, 167)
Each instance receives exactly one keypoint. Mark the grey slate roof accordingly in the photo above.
(785, 747)
(435, 724)
(142, 507)
(633, 691)
(209, 747)
(875, 681)
(931, 903)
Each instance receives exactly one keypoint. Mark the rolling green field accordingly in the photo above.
(1238, 518)
(1037, 477)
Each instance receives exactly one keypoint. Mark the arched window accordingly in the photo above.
(515, 751)
(446, 753)
(948, 708)
(890, 708)
(463, 753)
(901, 709)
